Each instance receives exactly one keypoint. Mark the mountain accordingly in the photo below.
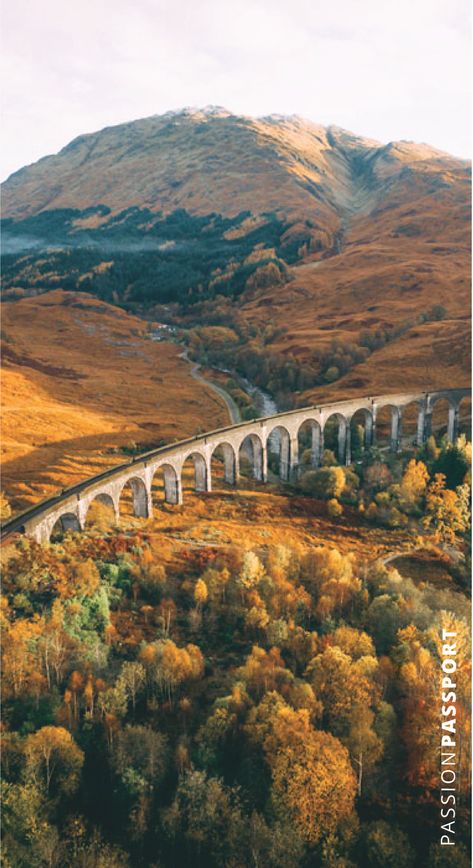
(355, 252)
(210, 160)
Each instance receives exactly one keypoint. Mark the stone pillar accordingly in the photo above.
(141, 498)
(199, 474)
(208, 476)
(172, 486)
(236, 472)
(40, 532)
(82, 510)
(229, 465)
(294, 458)
(116, 508)
(149, 503)
(453, 423)
(396, 422)
(347, 445)
(263, 474)
(373, 428)
(317, 446)
(424, 425)
(285, 456)
(321, 449)
(368, 442)
(420, 427)
(177, 493)
(427, 425)
(342, 441)
(141, 506)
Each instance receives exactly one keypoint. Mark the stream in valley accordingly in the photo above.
(263, 401)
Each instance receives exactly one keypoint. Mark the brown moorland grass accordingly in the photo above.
(81, 379)
(384, 278)
(253, 516)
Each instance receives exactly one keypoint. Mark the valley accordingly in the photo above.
(353, 277)
(224, 652)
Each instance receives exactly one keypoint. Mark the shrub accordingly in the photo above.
(384, 511)
(453, 463)
(329, 458)
(437, 312)
(325, 483)
(331, 374)
(334, 508)
(377, 476)
(352, 484)
(5, 508)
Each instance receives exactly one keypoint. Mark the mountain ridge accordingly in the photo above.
(164, 153)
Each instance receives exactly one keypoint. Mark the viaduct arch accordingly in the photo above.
(69, 509)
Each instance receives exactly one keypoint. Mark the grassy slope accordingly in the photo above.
(265, 516)
(81, 378)
(383, 252)
(393, 265)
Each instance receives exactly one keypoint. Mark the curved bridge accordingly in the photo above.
(253, 439)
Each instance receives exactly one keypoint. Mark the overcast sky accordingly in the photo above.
(389, 69)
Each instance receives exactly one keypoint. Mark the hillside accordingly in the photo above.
(172, 666)
(310, 180)
(212, 162)
(339, 264)
(83, 387)
(187, 206)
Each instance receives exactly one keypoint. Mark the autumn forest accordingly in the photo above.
(247, 680)
(251, 678)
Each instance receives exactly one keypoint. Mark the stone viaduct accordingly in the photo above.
(279, 433)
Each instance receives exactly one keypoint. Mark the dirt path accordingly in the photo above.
(231, 405)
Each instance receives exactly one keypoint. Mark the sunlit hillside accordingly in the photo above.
(355, 254)
(85, 387)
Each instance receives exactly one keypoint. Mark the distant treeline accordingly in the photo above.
(245, 349)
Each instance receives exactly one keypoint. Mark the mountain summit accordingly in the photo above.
(209, 160)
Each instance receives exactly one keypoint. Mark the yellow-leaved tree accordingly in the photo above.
(53, 760)
(200, 593)
(414, 481)
(313, 782)
(447, 511)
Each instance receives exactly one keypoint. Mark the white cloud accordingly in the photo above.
(387, 70)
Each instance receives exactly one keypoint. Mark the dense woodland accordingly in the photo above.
(138, 257)
(193, 272)
(270, 707)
